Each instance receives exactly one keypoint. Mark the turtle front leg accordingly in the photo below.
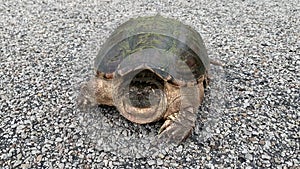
(178, 126)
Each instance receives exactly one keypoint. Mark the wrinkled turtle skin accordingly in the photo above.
(151, 68)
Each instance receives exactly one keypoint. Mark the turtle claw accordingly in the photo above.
(178, 127)
(166, 124)
(175, 133)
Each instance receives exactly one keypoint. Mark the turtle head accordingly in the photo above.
(95, 91)
(139, 95)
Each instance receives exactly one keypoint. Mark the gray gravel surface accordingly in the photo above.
(249, 119)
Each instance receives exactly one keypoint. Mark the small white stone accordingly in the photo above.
(20, 128)
(16, 163)
(105, 162)
(159, 162)
(249, 156)
(25, 166)
(289, 163)
(244, 151)
(267, 144)
(174, 164)
(151, 162)
(35, 151)
(161, 156)
(19, 156)
(265, 156)
(58, 139)
(179, 149)
(110, 164)
(39, 158)
(79, 143)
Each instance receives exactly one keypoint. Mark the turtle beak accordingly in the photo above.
(141, 98)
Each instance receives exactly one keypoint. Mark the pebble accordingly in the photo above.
(161, 156)
(174, 164)
(17, 163)
(289, 163)
(265, 156)
(151, 162)
(39, 158)
(25, 166)
(19, 156)
(249, 156)
(20, 128)
(159, 162)
(58, 139)
(105, 162)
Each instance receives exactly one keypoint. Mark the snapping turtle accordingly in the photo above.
(151, 68)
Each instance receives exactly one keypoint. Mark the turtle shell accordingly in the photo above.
(166, 46)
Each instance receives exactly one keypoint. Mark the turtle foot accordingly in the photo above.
(178, 126)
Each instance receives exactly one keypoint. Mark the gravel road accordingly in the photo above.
(249, 119)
